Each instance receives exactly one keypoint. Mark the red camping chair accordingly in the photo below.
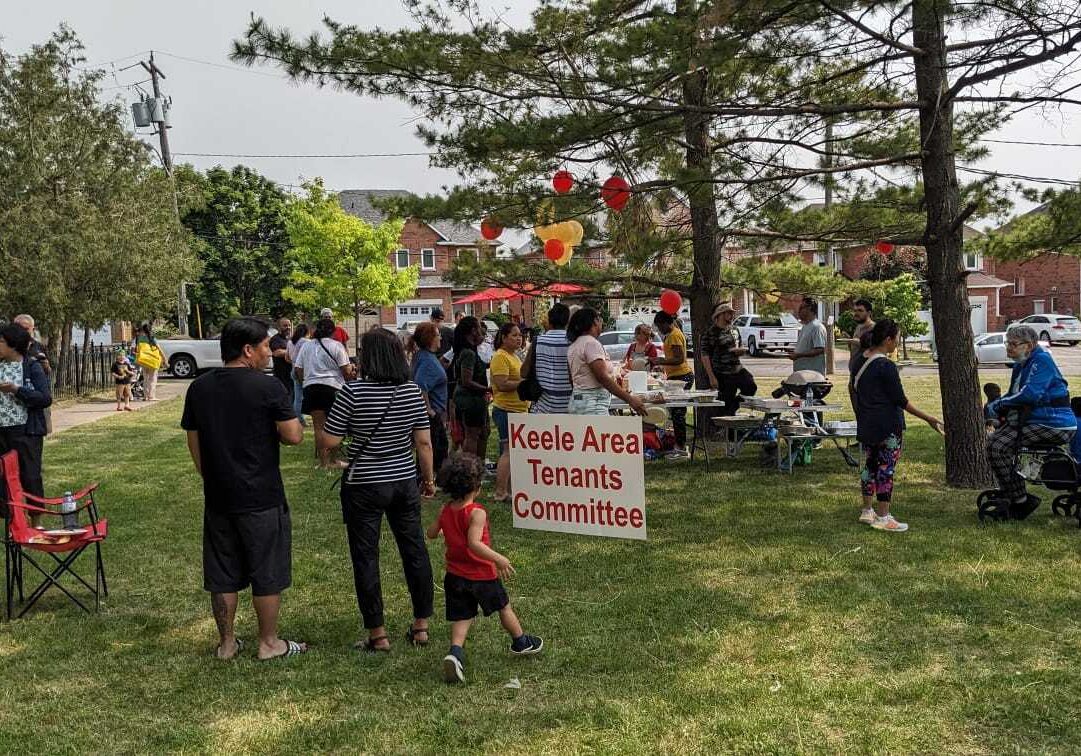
(22, 540)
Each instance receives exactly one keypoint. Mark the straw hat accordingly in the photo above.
(656, 416)
(723, 307)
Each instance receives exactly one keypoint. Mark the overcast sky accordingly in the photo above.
(222, 109)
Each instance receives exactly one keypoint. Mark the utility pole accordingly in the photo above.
(831, 260)
(167, 161)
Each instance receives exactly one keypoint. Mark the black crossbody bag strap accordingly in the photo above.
(354, 456)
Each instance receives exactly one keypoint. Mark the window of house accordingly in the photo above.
(1051, 305)
(1018, 286)
(972, 261)
(469, 253)
(414, 311)
(427, 259)
(402, 258)
(1037, 306)
(403, 310)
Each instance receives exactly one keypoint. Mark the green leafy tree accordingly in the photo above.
(238, 218)
(898, 298)
(339, 261)
(88, 232)
(726, 111)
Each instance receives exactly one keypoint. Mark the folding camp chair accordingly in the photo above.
(22, 541)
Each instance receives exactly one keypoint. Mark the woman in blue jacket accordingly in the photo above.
(24, 395)
(1037, 408)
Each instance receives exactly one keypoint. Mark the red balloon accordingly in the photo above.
(671, 301)
(563, 181)
(490, 230)
(883, 247)
(553, 249)
(616, 192)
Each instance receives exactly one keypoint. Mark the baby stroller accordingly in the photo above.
(138, 387)
(1048, 465)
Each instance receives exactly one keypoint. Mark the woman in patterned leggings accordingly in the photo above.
(880, 404)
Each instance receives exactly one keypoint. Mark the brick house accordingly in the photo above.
(1050, 282)
(986, 289)
(430, 245)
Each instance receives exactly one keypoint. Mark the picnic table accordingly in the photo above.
(799, 429)
(691, 399)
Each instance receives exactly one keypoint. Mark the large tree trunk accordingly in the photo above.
(706, 243)
(966, 459)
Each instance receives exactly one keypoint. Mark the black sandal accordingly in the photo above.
(411, 636)
(368, 645)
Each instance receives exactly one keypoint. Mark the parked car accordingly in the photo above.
(615, 343)
(990, 349)
(760, 333)
(186, 357)
(1053, 327)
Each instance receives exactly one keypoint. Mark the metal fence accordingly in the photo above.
(84, 371)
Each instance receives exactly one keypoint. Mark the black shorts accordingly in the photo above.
(318, 397)
(463, 595)
(471, 410)
(247, 548)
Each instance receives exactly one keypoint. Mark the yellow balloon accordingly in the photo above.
(568, 232)
(577, 233)
(567, 255)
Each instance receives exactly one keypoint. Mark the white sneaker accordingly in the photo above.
(867, 516)
(888, 523)
(453, 670)
(678, 454)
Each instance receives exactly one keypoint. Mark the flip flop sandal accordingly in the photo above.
(411, 636)
(368, 645)
(239, 648)
(292, 648)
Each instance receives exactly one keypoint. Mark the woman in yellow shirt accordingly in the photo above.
(676, 368)
(506, 368)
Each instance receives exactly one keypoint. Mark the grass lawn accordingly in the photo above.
(759, 617)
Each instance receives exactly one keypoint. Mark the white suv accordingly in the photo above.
(1051, 327)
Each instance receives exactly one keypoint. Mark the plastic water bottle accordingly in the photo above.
(809, 397)
(67, 509)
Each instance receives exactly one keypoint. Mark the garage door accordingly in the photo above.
(977, 307)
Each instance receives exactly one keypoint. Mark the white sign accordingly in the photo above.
(578, 474)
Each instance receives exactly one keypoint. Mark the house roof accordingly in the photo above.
(358, 202)
(977, 280)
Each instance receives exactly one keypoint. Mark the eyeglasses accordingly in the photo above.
(1015, 343)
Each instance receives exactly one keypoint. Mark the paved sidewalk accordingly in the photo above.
(89, 410)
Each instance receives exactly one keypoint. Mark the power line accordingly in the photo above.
(1033, 144)
(225, 66)
(332, 156)
(1020, 177)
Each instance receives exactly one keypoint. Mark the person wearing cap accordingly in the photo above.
(340, 334)
(720, 359)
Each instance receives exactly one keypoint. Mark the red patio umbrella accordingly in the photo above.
(499, 293)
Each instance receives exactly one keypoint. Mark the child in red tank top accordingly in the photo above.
(473, 566)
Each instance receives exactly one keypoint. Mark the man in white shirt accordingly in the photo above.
(810, 351)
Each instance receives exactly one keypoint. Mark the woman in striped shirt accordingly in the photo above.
(385, 416)
(548, 361)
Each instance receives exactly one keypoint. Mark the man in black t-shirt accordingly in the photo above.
(236, 417)
(279, 349)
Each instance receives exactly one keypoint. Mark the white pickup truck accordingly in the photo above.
(186, 357)
(760, 333)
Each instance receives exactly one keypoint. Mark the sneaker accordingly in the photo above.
(678, 454)
(453, 670)
(890, 524)
(867, 516)
(527, 645)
